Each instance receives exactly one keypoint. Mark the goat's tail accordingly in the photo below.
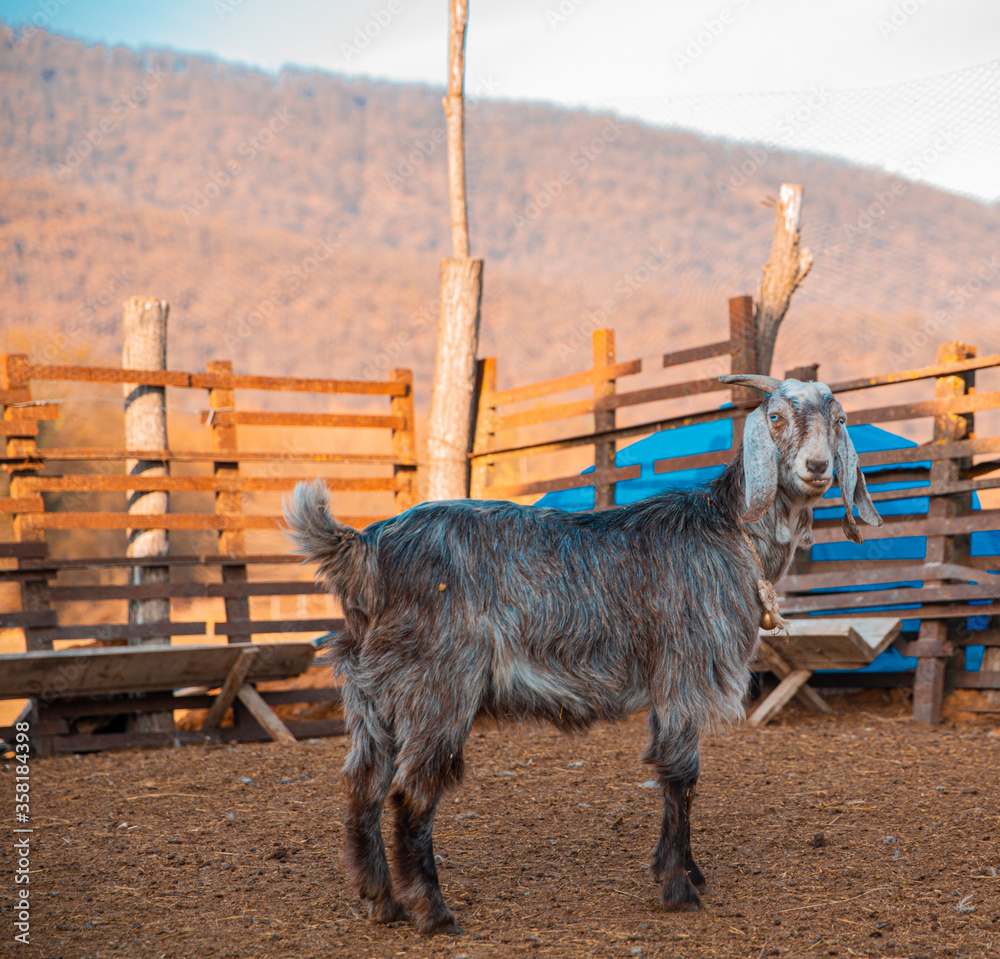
(338, 550)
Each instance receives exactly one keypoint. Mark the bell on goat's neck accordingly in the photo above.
(767, 620)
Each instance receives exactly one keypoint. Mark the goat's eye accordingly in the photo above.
(841, 421)
(774, 417)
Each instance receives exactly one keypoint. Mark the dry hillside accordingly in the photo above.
(295, 224)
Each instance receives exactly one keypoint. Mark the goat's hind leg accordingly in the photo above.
(416, 873)
(368, 772)
(675, 755)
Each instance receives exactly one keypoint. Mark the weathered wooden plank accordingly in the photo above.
(964, 403)
(983, 679)
(22, 504)
(30, 550)
(154, 702)
(261, 626)
(928, 611)
(560, 411)
(858, 573)
(327, 420)
(938, 489)
(91, 672)
(834, 643)
(202, 559)
(14, 396)
(830, 531)
(175, 521)
(87, 454)
(561, 384)
(695, 353)
(587, 439)
(577, 481)
(889, 597)
(295, 384)
(108, 374)
(93, 593)
(694, 461)
(88, 482)
(919, 373)
(33, 617)
(935, 452)
(112, 631)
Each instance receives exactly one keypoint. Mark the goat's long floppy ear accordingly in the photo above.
(853, 488)
(760, 465)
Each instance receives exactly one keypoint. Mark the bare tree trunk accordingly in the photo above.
(785, 269)
(450, 427)
(145, 348)
(454, 112)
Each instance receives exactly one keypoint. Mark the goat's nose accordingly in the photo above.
(818, 467)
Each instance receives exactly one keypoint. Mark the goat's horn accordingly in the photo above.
(766, 384)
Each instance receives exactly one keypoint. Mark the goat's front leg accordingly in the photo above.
(675, 755)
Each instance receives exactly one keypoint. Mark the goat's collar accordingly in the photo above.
(771, 618)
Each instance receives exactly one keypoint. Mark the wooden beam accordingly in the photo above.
(236, 678)
(264, 715)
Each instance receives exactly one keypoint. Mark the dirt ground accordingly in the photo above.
(858, 834)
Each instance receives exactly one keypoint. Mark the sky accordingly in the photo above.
(912, 86)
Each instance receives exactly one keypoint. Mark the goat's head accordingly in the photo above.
(794, 440)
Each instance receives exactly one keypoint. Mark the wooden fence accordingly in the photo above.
(223, 470)
(952, 585)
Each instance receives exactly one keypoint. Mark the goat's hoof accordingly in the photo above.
(680, 898)
(439, 922)
(386, 910)
(696, 876)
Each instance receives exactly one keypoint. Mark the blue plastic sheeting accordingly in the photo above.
(718, 435)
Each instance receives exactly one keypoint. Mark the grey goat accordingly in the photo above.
(461, 610)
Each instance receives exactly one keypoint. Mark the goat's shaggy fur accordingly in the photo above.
(470, 609)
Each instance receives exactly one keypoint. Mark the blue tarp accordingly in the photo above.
(718, 435)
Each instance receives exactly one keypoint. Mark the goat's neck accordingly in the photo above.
(775, 536)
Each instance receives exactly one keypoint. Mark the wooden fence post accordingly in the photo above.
(604, 419)
(20, 433)
(144, 347)
(229, 502)
(486, 413)
(404, 443)
(743, 353)
(928, 682)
